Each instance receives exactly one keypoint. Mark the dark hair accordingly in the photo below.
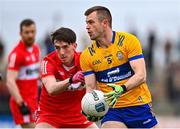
(26, 22)
(102, 13)
(64, 34)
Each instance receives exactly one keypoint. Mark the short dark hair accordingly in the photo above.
(102, 13)
(26, 22)
(64, 34)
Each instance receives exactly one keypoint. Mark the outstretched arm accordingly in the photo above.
(55, 87)
(52, 86)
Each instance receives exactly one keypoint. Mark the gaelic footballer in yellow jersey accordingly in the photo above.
(111, 65)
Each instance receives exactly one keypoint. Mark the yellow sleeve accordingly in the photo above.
(85, 63)
(134, 49)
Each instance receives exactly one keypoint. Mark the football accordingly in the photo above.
(93, 103)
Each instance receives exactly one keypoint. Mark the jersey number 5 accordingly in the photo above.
(109, 60)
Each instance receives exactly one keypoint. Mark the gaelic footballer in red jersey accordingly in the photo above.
(23, 74)
(62, 91)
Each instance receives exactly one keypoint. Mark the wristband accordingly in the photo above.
(71, 80)
(124, 88)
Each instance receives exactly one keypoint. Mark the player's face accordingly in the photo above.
(94, 26)
(28, 34)
(65, 52)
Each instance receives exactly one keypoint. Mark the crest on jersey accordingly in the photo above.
(119, 55)
(61, 73)
(28, 58)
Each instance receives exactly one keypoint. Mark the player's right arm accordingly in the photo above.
(54, 86)
(12, 86)
(90, 79)
(14, 91)
(14, 64)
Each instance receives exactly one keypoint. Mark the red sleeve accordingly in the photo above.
(15, 61)
(47, 68)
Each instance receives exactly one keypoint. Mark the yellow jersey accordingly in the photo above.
(111, 65)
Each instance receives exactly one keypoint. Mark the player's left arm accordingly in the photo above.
(137, 63)
(139, 76)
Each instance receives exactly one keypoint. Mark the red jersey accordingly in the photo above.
(66, 105)
(26, 61)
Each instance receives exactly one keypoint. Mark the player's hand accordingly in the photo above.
(76, 86)
(112, 96)
(92, 118)
(78, 77)
(1, 77)
(24, 109)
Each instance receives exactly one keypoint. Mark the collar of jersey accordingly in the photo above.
(113, 39)
(24, 46)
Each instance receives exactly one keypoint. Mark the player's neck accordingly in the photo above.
(69, 64)
(106, 40)
(68, 67)
(27, 44)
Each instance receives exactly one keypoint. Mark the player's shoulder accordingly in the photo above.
(51, 56)
(16, 50)
(36, 46)
(77, 53)
(126, 39)
(126, 35)
(90, 50)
